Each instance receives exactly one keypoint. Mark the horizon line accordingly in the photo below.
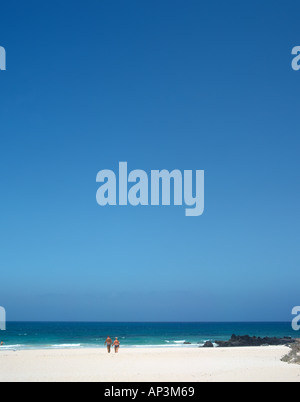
(147, 322)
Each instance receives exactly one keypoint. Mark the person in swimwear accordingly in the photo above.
(108, 342)
(116, 344)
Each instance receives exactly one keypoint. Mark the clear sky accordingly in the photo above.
(161, 84)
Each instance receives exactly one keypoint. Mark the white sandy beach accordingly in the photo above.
(149, 365)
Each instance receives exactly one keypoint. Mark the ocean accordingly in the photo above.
(46, 335)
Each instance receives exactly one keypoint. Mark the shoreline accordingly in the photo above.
(94, 347)
(250, 364)
(234, 342)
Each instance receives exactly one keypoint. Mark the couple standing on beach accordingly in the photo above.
(110, 344)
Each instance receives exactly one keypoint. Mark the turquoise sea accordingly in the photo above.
(34, 335)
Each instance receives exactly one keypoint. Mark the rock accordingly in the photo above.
(222, 344)
(208, 345)
(246, 340)
(187, 343)
(294, 356)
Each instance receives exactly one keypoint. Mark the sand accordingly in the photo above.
(161, 365)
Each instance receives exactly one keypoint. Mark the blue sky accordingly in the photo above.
(168, 84)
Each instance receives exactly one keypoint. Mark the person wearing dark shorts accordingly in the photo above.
(116, 344)
(108, 342)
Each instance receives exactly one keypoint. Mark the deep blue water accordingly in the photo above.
(58, 335)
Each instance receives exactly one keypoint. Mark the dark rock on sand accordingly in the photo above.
(246, 340)
(208, 345)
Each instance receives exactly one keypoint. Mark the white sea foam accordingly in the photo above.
(168, 344)
(34, 347)
(176, 345)
(11, 347)
(66, 346)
